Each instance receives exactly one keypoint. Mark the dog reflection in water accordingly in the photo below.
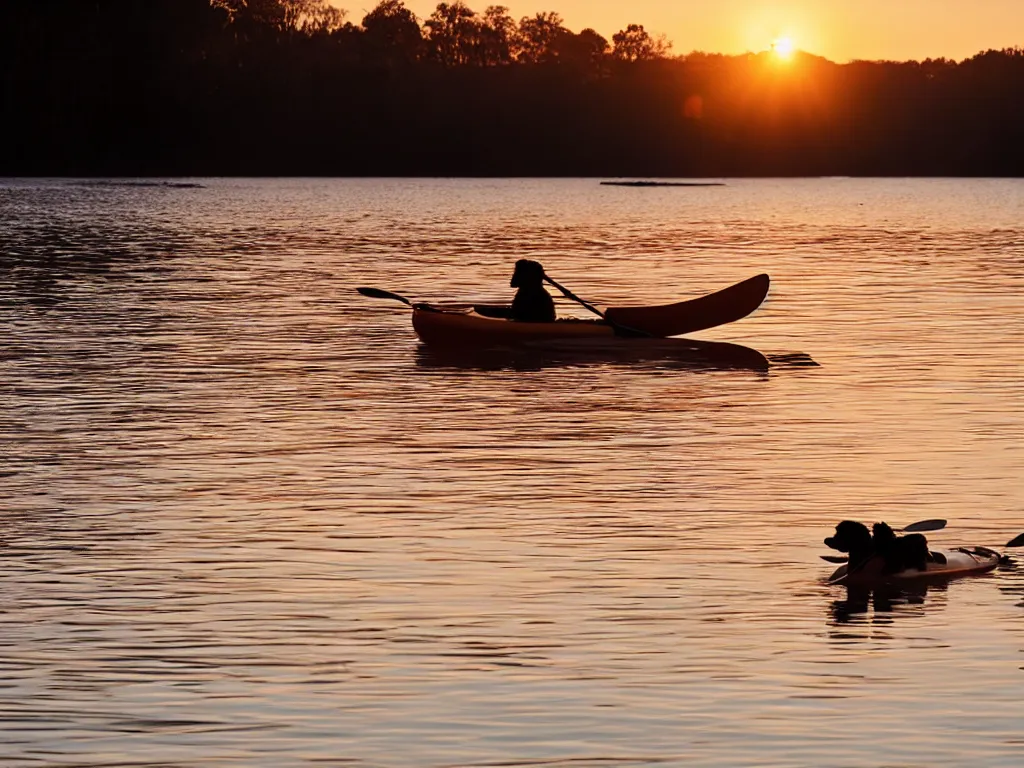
(880, 602)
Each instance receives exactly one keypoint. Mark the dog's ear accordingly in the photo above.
(882, 532)
(851, 528)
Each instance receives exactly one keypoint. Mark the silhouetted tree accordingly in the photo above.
(634, 43)
(585, 50)
(392, 33)
(539, 36)
(499, 36)
(285, 15)
(454, 35)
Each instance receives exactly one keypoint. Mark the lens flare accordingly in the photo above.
(783, 47)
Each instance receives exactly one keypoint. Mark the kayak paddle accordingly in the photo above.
(623, 330)
(377, 293)
(1015, 542)
(924, 525)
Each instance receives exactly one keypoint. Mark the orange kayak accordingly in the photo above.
(466, 327)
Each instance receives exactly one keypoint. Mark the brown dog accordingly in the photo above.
(880, 549)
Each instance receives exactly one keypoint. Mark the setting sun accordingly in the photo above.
(783, 48)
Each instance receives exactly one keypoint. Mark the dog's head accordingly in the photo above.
(527, 273)
(882, 533)
(850, 536)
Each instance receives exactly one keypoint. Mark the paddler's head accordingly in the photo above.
(527, 273)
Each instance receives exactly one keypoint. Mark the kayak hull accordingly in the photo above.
(960, 561)
(466, 327)
(469, 330)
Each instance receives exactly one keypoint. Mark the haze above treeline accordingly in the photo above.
(296, 87)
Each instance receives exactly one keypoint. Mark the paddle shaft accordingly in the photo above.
(570, 295)
(377, 293)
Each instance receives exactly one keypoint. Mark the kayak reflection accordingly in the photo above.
(688, 354)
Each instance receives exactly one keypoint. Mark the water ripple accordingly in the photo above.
(247, 521)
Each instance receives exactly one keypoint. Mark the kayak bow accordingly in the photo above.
(725, 306)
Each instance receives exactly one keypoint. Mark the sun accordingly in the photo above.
(783, 48)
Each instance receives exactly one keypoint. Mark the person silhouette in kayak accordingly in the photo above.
(532, 304)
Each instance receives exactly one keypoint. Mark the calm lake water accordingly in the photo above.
(246, 521)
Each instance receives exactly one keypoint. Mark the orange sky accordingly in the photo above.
(836, 29)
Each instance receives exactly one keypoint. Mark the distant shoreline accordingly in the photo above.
(172, 180)
(662, 183)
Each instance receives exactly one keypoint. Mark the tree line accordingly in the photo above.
(453, 35)
(295, 87)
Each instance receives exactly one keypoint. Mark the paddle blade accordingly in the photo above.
(377, 293)
(1017, 542)
(834, 559)
(925, 525)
